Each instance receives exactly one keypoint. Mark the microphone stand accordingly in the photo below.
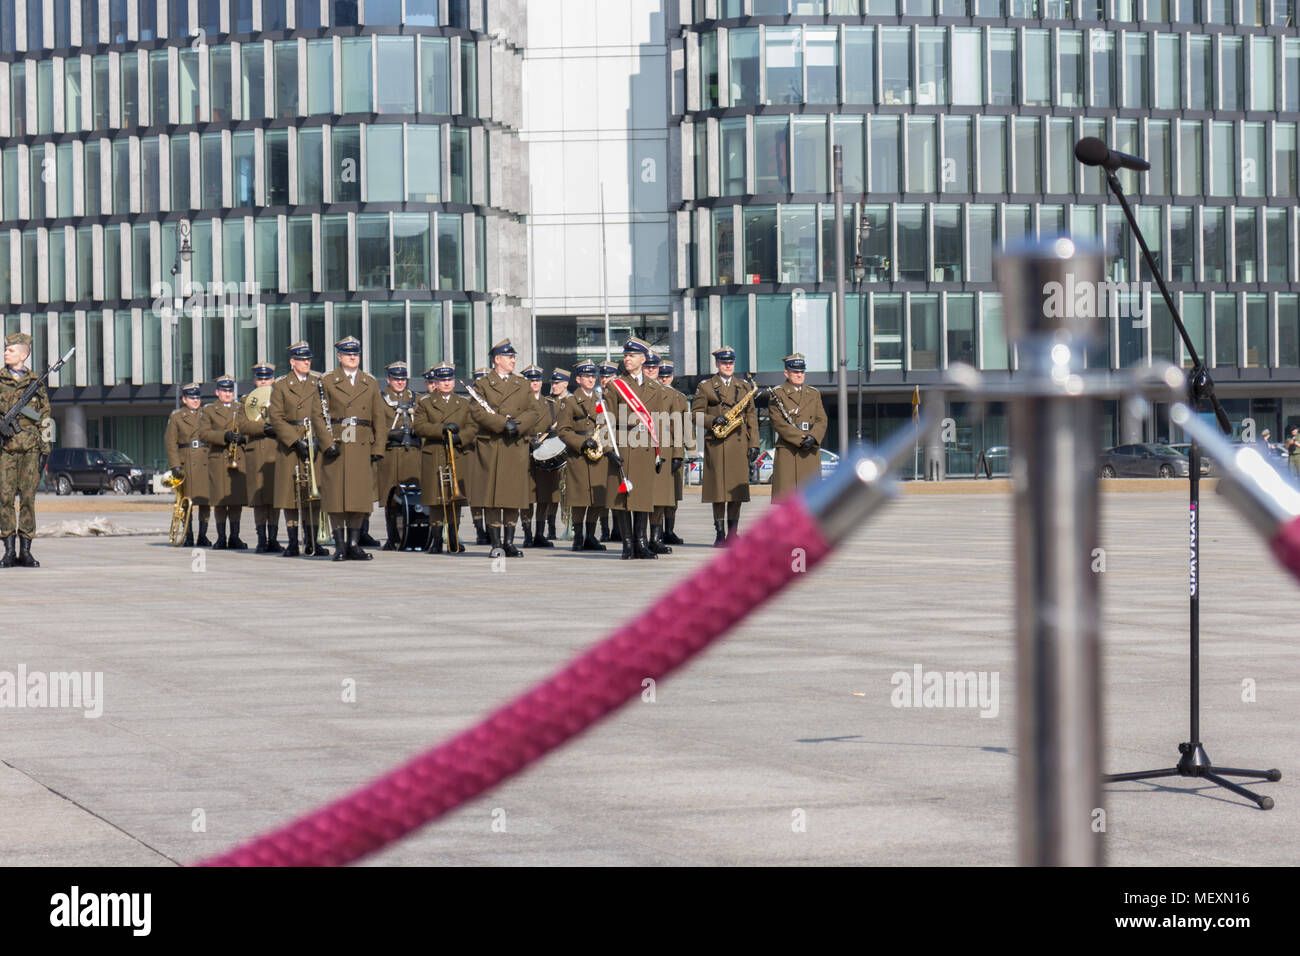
(1194, 761)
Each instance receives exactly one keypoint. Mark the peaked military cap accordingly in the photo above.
(350, 345)
(502, 348)
(795, 363)
(397, 370)
(300, 350)
(724, 354)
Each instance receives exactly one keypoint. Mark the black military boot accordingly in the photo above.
(640, 548)
(481, 535)
(540, 540)
(25, 559)
(604, 527)
(670, 527)
(509, 544)
(550, 527)
(591, 542)
(621, 518)
(261, 540)
(8, 560)
(578, 539)
(720, 529)
(292, 550)
(391, 522)
(435, 539)
(364, 536)
(189, 535)
(355, 541)
(733, 529)
(273, 546)
(528, 534)
(494, 539)
(341, 544)
(220, 544)
(616, 529)
(203, 541)
(657, 541)
(234, 544)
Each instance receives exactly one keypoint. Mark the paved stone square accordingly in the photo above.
(224, 678)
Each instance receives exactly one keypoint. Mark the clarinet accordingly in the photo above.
(324, 406)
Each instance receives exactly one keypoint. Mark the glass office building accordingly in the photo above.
(957, 120)
(338, 165)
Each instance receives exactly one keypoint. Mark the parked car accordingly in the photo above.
(92, 470)
(763, 466)
(1148, 460)
(1275, 456)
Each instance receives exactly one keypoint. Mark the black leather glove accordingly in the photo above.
(376, 458)
(659, 464)
(677, 465)
(616, 458)
(300, 446)
(753, 455)
(720, 421)
(235, 438)
(8, 431)
(395, 436)
(451, 428)
(268, 430)
(512, 428)
(808, 443)
(332, 452)
(590, 445)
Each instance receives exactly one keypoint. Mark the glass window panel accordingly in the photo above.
(1215, 237)
(1222, 171)
(1060, 155)
(931, 75)
(877, 256)
(243, 167)
(1277, 237)
(426, 333)
(760, 244)
(253, 81)
(387, 330)
(396, 69)
(1230, 77)
(266, 253)
(911, 243)
(1126, 141)
(1182, 245)
(743, 52)
(947, 243)
(1070, 54)
(921, 148)
(1029, 177)
(1200, 84)
(829, 265)
(277, 167)
(957, 154)
(1261, 73)
(859, 64)
(460, 171)
(994, 352)
(346, 144)
(209, 170)
(1189, 161)
(735, 329)
(1245, 240)
(345, 15)
(1169, 60)
(1038, 68)
(449, 252)
(18, 98)
(708, 71)
(232, 250)
(1158, 156)
(286, 75)
(469, 92)
(122, 348)
(112, 262)
(993, 154)
(885, 153)
(700, 133)
(798, 243)
(201, 261)
(85, 264)
(733, 156)
(150, 178)
(1004, 68)
(848, 136)
(896, 65)
(411, 247)
(423, 163)
(130, 93)
(724, 249)
(810, 175)
(924, 322)
(121, 178)
(771, 155)
(99, 92)
(983, 225)
(384, 13)
(1018, 223)
(188, 101)
(299, 253)
(1257, 350)
(334, 253)
(58, 273)
(435, 75)
(275, 16)
(773, 326)
(1284, 142)
(140, 260)
(1291, 74)
(961, 328)
(1119, 245)
(1137, 95)
(320, 76)
(1253, 169)
(784, 65)
(356, 75)
(1225, 330)
(887, 331)
(1102, 46)
(311, 172)
(823, 65)
(384, 163)
(220, 83)
(1288, 330)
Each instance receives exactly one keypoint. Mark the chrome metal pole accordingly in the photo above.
(842, 355)
(1055, 443)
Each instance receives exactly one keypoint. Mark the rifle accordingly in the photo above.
(9, 423)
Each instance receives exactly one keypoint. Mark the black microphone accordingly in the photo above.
(1093, 152)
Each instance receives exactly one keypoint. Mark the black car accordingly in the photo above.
(92, 470)
(1148, 460)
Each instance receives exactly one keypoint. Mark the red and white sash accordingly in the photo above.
(637, 406)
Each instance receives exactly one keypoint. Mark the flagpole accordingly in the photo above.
(604, 270)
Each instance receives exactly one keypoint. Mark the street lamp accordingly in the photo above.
(184, 251)
(859, 274)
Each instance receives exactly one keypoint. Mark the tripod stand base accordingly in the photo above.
(1196, 763)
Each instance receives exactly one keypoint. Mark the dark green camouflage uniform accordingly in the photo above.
(20, 455)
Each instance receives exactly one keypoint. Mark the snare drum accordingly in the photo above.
(551, 455)
(408, 520)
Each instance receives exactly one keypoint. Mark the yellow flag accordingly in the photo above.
(916, 401)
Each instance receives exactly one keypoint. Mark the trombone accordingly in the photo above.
(306, 493)
(449, 488)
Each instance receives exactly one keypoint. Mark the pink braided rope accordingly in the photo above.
(1286, 547)
(688, 619)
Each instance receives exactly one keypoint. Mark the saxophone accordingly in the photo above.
(735, 414)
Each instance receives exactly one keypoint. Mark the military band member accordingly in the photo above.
(260, 455)
(512, 415)
(799, 436)
(22, 451)
(438, 415)
(295, 405)
(472, 483)
(355, 413)
(559, 394)
(187, 455)
(681, 409)
(671, 450)
(559, 385)
(726, 460)
(543, 485)
(585, 481)
(401, 461)
(607, 373)
(639, 449)
(224, 427)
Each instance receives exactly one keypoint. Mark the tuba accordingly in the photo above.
(603, 442)
(735, 414)
(180, 508)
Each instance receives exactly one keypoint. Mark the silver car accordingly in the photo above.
(1147, 460)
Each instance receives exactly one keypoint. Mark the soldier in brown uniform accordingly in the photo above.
(295, 403)
(606, 373)
(224, 427)
(558, 396)
(260, 455)
(585, 480)
(681, 411)
(187, 454)
(543, 485)
(504, 425)
(726, 460)
(401, 461)
(23, 450)
(472, 482)
(641, 450)
(437, 415)
(355, 412)
(668, 424)
(799, 421)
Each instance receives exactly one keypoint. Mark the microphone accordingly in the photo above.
(1093, 152)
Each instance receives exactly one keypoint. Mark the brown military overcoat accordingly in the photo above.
(227, 486)
(400, 463)
(182, 432)
(292, 404)
(584, 481)
(807, 417)
(356, 411)
(503, 461)
(634, 444)
(432, 412)
(726, 461)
